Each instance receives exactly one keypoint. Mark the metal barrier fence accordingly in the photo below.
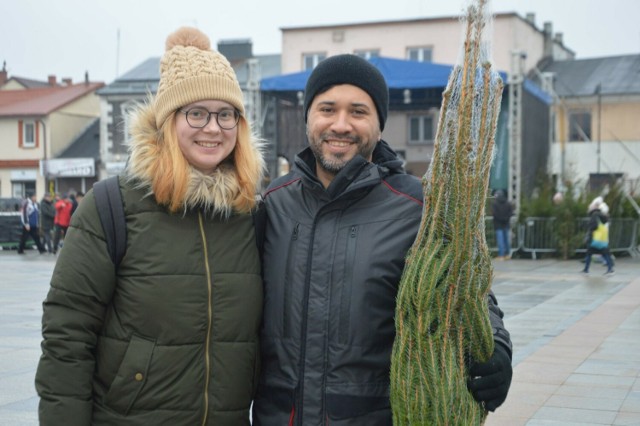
(10, 230)
(540, 235)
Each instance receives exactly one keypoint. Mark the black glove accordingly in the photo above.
(489, 382)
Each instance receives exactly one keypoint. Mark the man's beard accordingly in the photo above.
(336, 162)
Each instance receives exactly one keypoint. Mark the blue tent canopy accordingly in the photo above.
(398, 73)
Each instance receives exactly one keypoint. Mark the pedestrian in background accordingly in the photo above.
(74, 201)
(47, 217)
(502, 210)
(61, 221)
(79, 196)
(171, 336)
(30, 219)
(604, 209)
(598, 235)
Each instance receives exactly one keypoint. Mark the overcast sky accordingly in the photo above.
(68, 37)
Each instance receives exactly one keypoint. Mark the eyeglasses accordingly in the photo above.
(199, 117)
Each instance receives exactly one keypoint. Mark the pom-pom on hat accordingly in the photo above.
(190, 71)
(348, 69)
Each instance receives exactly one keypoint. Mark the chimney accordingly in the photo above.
(558, 38)
(52, 80)
(67, 81)
(531, 18)
(3, 74)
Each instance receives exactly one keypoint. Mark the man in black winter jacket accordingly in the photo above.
(337, 230)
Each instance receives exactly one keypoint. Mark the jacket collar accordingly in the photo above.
(356, 174)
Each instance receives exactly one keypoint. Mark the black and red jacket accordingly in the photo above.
(332, 261)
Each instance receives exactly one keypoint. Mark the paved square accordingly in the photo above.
(576, 340)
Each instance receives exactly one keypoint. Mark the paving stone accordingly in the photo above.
(576, 341)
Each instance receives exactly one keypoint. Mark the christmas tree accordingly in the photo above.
(442, 318)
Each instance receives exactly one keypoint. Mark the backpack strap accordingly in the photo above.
(111, 211)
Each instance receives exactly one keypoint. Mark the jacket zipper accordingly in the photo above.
(287, 282)
(209, 320)
(345, 303)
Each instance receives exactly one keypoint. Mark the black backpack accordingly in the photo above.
(111, 212)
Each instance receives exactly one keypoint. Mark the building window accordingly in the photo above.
(28, 134)
(310, 60)
(580, 126)
(421, 129)
(420, 54)
(367, 53)
(19, 189)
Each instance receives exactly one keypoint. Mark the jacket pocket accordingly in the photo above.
(373, 409)
(347, 288)
(131, 375)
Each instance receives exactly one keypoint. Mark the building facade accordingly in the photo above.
(38, 121)
(518, 47)
(596, 128)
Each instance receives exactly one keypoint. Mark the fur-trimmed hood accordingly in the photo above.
(215, 193)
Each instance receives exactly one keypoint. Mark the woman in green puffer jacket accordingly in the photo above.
(170, 336)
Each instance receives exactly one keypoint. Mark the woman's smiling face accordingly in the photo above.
(205, 148)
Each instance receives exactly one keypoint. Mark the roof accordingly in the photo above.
(141, 80)
(86, 145)
(144, 78)
(42, 101)
(398, 73)
(617, 75)
(29, 83)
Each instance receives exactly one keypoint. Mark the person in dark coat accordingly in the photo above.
(47, 216)
(502, 210)
(30, 219)
(337, 231)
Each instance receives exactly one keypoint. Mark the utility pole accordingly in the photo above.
(254, 104)
(516, 78)
(599, 94)
(118, 53)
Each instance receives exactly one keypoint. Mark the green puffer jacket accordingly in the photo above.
(171, 339)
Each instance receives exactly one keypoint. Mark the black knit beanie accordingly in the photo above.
(348, 69)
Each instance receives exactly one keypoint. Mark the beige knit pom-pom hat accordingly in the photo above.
(190, 71)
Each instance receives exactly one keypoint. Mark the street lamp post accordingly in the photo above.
(599, 93)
